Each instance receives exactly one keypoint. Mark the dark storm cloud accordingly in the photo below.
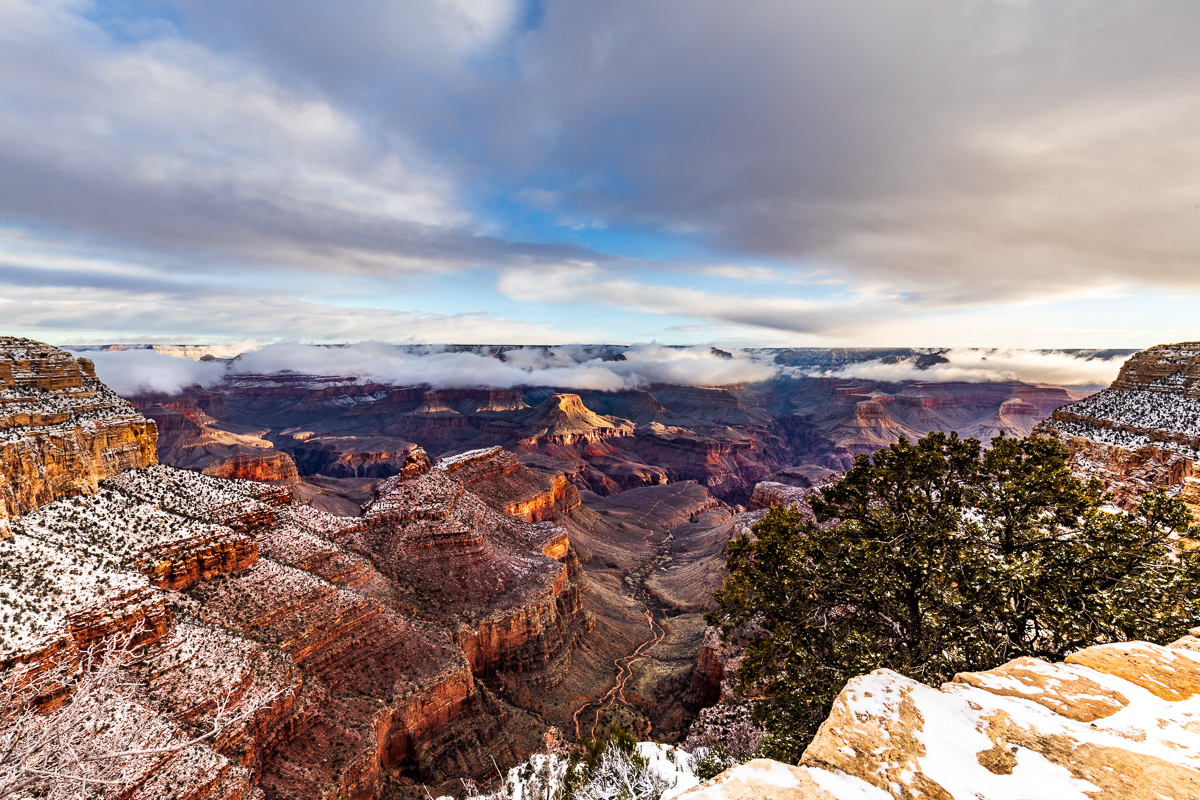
(959, 151)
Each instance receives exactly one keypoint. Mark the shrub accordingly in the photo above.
(935, 557)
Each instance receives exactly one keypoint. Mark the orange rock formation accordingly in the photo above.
(61, 430)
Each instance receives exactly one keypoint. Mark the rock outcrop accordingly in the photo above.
(382, 630)
(367, 652)
(269, 466)
(1143, 431)
(500, 480)
(1112, 721)
(61, 430)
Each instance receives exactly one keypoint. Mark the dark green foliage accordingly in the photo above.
(936, 558)
(714, 762)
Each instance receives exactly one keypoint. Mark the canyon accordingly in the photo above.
(1113, 720)
(341, 432)
(469, 604)
(1141, 433)
(401, 586)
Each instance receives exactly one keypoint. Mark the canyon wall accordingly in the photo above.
(727, 438)
(1142, 432)
(368, 653)
(61, 430)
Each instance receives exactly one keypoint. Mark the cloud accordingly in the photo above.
(137, 370)
(134, 372)
(586, 283)
(567, 367)
(997, 153)
(995, 157)
(978, 365)
(202, 314)
(170, 147)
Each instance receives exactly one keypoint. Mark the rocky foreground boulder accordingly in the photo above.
(1113, 721)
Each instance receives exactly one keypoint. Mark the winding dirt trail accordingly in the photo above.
(625, 664)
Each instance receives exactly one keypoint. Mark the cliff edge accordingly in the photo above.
(1143, 431)
(61, 430)
(1113, 721)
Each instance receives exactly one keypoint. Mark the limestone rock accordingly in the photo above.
(1142, 432)
(770, 493)
(61, 430)
(269, 466)
(1115, 721)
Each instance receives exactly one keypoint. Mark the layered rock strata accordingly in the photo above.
(500, 479)
(1143, 431)
(356, 652)
(372, 634)
(1112, 721)
(61, 430)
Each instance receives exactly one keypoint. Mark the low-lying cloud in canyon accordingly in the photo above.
(138, 371)
(984, 365)
(581, 367)
(132, 372)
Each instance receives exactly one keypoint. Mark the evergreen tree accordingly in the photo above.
(937, 557)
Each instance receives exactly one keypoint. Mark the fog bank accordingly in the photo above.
(982, 365)
(132, 372)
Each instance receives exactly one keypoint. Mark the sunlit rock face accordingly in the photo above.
(270, 466)
(61, 430)
(1112, 721)
(360, 643)
(1143, 431)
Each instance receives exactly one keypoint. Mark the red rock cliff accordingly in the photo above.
(61, 430)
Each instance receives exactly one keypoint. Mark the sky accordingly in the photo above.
(976, 173)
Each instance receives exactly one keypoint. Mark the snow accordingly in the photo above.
(846, 787)
(673, 766)
(192, 494)
(953, 727)
(1128, 418)
(41, 584)
(451, 463)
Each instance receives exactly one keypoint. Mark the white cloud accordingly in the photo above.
(566, 367)
(586, 283)
(103, 315)
(168, 144)
(980, 365)
(134, 372)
